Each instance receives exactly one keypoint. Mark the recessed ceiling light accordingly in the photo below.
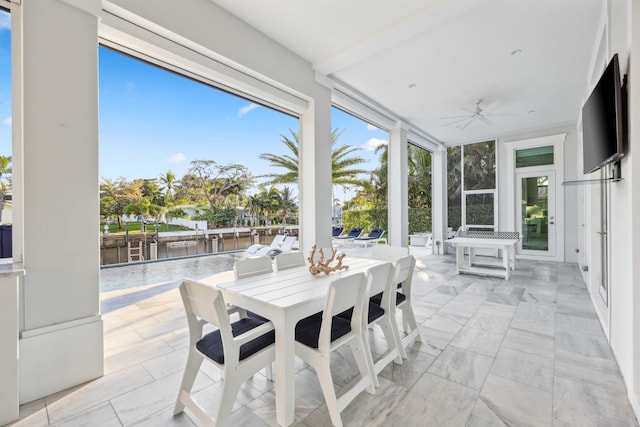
(516, 52)
(531, 111)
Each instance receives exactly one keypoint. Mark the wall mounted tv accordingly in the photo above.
(603, 120)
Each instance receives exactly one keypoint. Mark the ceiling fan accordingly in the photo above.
(478, 113)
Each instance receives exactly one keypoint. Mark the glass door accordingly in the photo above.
(535, 211)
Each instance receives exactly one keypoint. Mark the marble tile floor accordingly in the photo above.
(524, 352)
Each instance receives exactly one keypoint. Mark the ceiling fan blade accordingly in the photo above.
(456, 121)
(491, 106)
(456, 117)
(469, 110)
(468, 123)
(485, 120)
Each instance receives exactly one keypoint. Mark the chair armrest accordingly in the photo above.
(253, 333)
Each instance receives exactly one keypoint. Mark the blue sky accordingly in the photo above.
(152, 121)
(5, 84)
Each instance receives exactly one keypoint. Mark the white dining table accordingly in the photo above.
(284, 297)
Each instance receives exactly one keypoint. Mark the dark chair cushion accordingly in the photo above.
(211, 344)
(308, 329)
(377, 299)
(375, 312)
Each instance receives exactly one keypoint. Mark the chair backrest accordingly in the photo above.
(404, 273)
(202, 301)
(289, 260)
(381, 279)
(337, 231)
(376, 233)
(288, 243)
(277, 241)
(344, 293)
(390, 253)
(355, 232)
(252, 266)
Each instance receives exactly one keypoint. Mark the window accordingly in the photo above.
(186, 168)
(538, 156)
(419, 189)
(472, 186)
(6, 140)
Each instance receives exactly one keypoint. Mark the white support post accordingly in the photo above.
(439, 198)
(61, 342)
(398, 199)
(315, 172)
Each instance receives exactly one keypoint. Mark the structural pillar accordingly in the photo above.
(398, 199)
(439, 198)
(61, 333)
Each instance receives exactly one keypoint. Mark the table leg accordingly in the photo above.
(459, 257)
(506, 257)
(285, 372)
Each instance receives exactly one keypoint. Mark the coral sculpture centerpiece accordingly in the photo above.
(325, 266)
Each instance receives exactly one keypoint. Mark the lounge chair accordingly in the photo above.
(275, 244)
(374, 237)
(355, 232)
(337, 231)
(285, 247)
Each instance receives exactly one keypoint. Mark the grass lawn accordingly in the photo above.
(134, 227)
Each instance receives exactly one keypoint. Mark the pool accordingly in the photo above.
(124, 276)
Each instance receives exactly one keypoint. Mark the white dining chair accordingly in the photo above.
(289, 260)
(404, 268)
(239, 349)
(320, 334)
(380, 281)
(252, 266)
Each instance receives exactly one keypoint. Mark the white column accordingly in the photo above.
(315, 172)
(439, 199)
(398, 199)
(61, 341)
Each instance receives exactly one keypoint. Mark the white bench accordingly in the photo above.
(504, 241)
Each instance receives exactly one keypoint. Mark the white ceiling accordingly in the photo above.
(428, 59)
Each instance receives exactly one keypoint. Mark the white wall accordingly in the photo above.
(623, 316)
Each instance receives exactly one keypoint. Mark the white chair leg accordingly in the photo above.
(194, 360)
(398, 337)
(326, 383)
(368, 359)
(268, 371)
(364, 359)
(230, 390)
(392, 341)
(410, 321)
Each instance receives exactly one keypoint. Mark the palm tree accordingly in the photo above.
(287, 203)
(342, 163)
(169, 181)
(5, 181)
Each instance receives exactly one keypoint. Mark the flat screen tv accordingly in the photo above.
(602, 121)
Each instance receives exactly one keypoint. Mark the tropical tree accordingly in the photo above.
(168, 183)
(215, 182)
(287, 203)
(115, 196)
(5, 179)
(343, 163)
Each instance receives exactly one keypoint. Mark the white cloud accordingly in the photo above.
(7, 121)
(372, 127)
(177, 158)
(245, 110)
(5, 21)
(374, 143)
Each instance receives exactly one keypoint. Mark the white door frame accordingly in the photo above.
(509, 152)
(531, 172)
